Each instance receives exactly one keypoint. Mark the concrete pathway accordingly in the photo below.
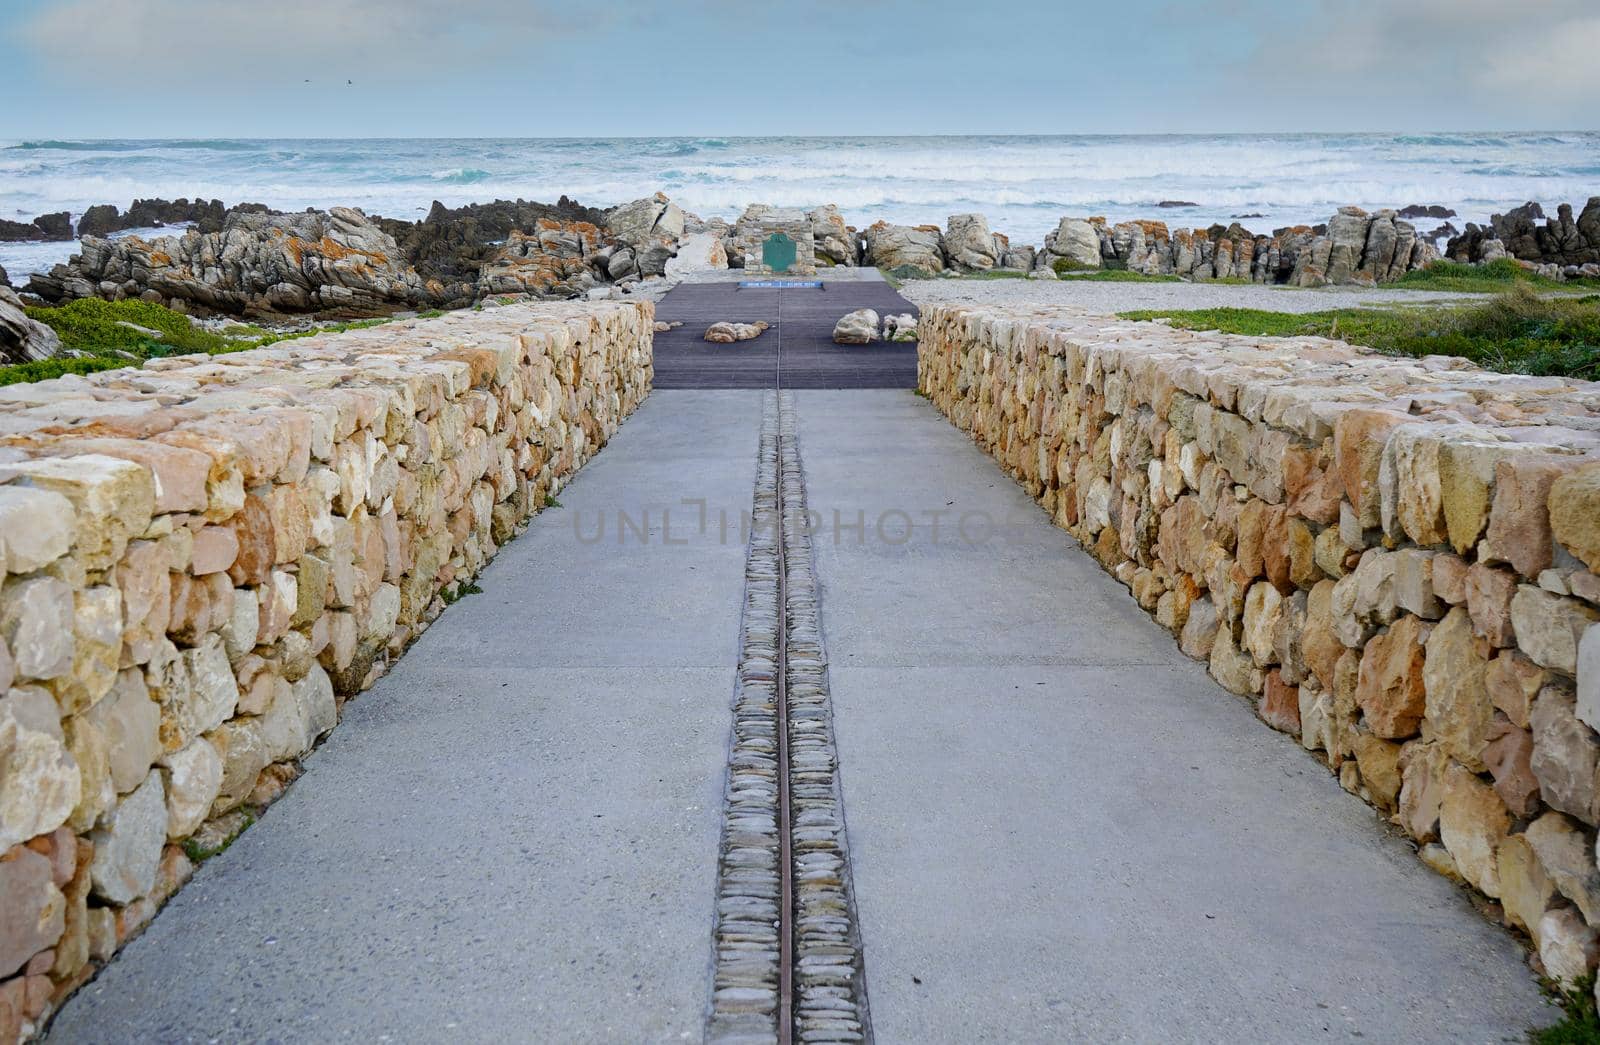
(1060, 828)
(513, 835)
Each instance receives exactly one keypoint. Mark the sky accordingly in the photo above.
(572, 68)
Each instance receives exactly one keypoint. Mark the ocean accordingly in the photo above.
(1023, 184)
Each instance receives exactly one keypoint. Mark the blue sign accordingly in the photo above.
(780, 284)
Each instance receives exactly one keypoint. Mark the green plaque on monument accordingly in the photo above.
(777, 253)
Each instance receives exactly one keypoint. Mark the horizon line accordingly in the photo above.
(24, 140)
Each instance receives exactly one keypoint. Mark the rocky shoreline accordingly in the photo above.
(1563, 246)
(251, 261)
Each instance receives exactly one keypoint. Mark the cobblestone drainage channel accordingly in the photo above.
(788, 960)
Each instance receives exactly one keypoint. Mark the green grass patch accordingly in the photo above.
(1581, 1025)
(1122, 276)
(991, 274)
(551, 502)
(1062, 266)
(1515, 333)
(1068, 275)
(1492, 278)
(108, 333)
(900, 274)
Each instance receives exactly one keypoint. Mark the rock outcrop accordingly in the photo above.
(105, 219)
(556, 259)
(1076, 241)
(969, 245)
(918, 247)
(45, 228)
(257, 262)
(338, 263)
(1360, 248)
(647, 232)
(698, 252)
(204, 215)
(23, 340)
(1418, 210)
(1565, 243)
(247, 260)
(835, 242)
(1353, 248)
(451, 245)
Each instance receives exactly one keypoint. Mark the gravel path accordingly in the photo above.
(1122, 297)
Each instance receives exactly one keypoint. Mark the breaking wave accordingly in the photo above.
(1022, 183)
(461, 175)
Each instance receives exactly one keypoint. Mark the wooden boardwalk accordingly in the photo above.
(801, 338)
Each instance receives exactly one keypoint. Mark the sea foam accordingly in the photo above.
(1023, 184)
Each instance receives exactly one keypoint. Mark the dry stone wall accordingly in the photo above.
(1395, 561)
(202, 559)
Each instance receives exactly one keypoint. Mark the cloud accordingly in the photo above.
(1533, 58)
(223, 44)
(1566, 61)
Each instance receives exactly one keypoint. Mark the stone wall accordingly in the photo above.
(1394, 561)
(202, 559)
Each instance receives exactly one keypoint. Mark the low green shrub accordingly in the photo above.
(1581, 1025)
(109, 332)
(93, 325)
(45, 369)
(1516, 333)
